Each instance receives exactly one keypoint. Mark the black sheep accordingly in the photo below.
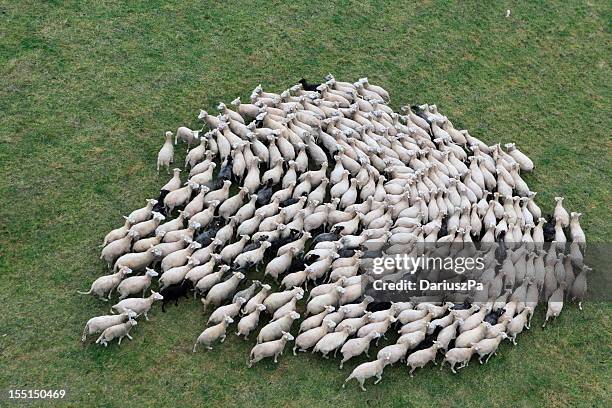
(328, 236)
(293, 235)
(289, 201)
(308, 87)
(159, 207)
(174, 292)
(264, 194)
(346, 253)
(549, 229)
(461, 306)
(494, 316)
(226, 169)
(206, 237)
(251, 246)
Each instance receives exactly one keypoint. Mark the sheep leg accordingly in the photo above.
(146, 317)
(335, 352)
(411, 371)
(276, 358)
(488, 357)
(453, 368)
(442, 364)
(361, 381)
(129, 337)
(194, 346)
(580, 305)
(223, 338)
(379, 378)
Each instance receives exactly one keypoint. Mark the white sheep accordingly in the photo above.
(213, 333)
(249, 322)
(165, 157)
(117, 248)
(142, 214)
(332, 342)
(309, 338)
(367, 370)
(118, 232)
(120, 331)
(268, 349)
(230, 310)
(274, 329)
(357, 346)
(221, 291)
(100, 323)
(259, 298)
(458, 355)
(488, 347)
(105, 285)
(137, 305)
(136, 284)
(420, 358)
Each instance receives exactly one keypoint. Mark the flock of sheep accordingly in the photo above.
(300, 185)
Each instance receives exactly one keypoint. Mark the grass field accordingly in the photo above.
(88, 88)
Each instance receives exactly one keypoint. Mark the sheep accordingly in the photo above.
(309, 338)
(318, 304)
(221, 291)
(488, 347)
(448, 334)
(357, 346)
(248, 292)
(204, 284)
(179, 197)
(136, 284)
(146, 228)
(175, 292)
(356, 310)
(142, 214)
(117, 233)
(459, 355)
(268, 349)
(137, 261)
(251, 258)
(104, 285)
(356, 323)
(367, 370)
(198, 272)
(186, 135)
(213, 333)
(395, 352)
(472, 336)
(249, 322)
(555, 303)
(331, 342)
(165, 157)
(137, 305)
(274, 329)
(277, 299)
(517, 324)
(315, 320)
(100, 323)
(420, 358)
(120, 331)
(257, 299)
(287, 307)
(117, 248)
(230, 310)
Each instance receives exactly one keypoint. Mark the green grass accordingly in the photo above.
(88, 88)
